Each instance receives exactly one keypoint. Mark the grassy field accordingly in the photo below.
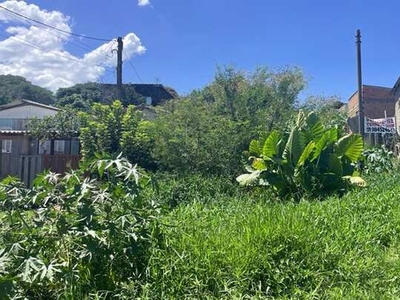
(219, 241)
(241, 248)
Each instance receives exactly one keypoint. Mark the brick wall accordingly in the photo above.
(376, 100)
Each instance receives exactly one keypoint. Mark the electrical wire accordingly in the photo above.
(53, 27)
(62, 36)
(78, 44)
(28, 43)
(138, 76)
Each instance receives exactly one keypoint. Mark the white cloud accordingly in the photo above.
(143, 2)
(38, 53)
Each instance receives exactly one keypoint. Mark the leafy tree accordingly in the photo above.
(88, 92)
(83, 96)
(311, 159)
(208, 131)
(191, 137)
(75, 101)
(111, 129)
(17, 87)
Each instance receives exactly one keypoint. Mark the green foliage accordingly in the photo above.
(208, 130)
(17, 87)
(87, 94)
(83, 96)
(75, 102)
(64, 125)
(235, 248)
(90, 233)
(172, 190)
(190, 137)
(377, 160)
(310, 160)
(112, 129)
(328, 110)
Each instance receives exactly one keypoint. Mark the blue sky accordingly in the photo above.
(185, 40)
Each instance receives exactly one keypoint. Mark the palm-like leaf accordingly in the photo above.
(335, 165)
(350, 146)
(294, 146)
(306, 154)
(327, 139)
(271, 145)
(255, 148)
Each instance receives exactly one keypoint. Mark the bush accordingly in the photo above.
(91, 233)
(377, 160)
(207, 131)
(309, 160)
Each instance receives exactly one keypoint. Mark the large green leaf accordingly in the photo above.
(327, 139)
(306, 154)
(350, 146)
(271, 145)
(294, 146)
(335, 165)
(258, 164)
(255, 148)
(317, 131)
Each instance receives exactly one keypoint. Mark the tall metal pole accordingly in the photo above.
(360, 91)
(119, 66)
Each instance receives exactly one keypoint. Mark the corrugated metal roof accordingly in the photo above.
(13, 132)
(22, 102)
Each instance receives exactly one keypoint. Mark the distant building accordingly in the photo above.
(24, 156)
(375, 101)
(138, 93)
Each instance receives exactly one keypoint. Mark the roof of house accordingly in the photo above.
(23, 102)
(13, 132)
(376, 92)
(158, 92)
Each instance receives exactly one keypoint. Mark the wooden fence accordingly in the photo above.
(31, 165)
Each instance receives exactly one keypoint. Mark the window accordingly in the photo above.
(44, 147)
(59, 147)
(6, 146)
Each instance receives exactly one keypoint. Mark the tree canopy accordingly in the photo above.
(17, 87)
(83, 96)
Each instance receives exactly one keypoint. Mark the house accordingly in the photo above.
(377, 101)
(24, 156)
(133, 93)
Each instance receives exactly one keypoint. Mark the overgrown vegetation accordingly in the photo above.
(311, 160)
(239, 248)
(189, 231)
(87, 234)
(17, 87)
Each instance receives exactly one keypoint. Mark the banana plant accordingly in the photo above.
(311, 159)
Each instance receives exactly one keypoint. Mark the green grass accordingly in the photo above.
(238, 248)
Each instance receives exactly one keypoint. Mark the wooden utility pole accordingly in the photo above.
(119, 67)
(360, 91)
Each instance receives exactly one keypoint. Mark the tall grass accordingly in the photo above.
(239, 248)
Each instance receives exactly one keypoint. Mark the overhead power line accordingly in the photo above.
(30, 44)
(53, 27)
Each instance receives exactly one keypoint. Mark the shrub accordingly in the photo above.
(377, 160)
(308, 160)
(90, 234)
